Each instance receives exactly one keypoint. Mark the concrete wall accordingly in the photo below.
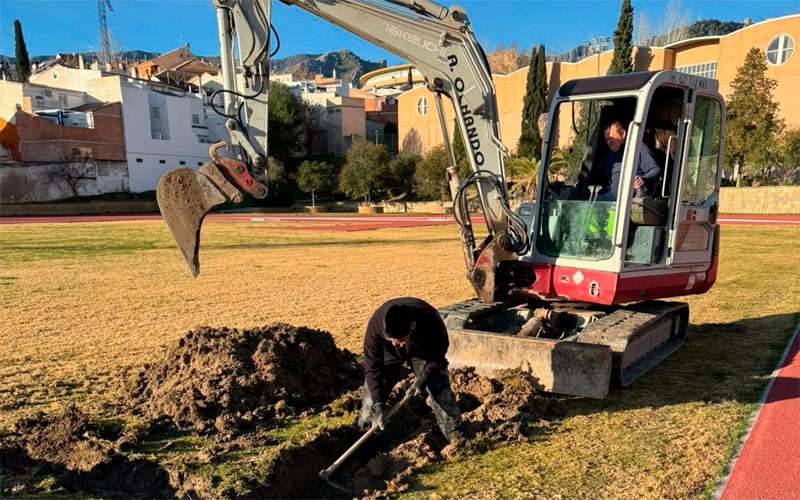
(33, 182)
(773, 200)
(417, 207)
(81, 208)
(10, 99)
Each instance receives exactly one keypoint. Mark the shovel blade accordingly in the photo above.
(185, 197)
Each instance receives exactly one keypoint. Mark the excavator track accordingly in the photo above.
(640, 335)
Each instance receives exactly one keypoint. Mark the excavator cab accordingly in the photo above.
(605, 244)
(631, 239)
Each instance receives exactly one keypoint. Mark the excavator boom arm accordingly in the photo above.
(438, 41)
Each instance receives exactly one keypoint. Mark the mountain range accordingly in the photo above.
(348, 66)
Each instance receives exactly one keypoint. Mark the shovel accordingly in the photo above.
(325, 475)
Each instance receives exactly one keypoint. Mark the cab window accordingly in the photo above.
(700, 177)
(583, 176)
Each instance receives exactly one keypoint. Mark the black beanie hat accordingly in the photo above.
(397, 322)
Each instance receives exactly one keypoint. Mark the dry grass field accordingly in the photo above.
(85, 305)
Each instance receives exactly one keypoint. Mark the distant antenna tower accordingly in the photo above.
(105, 36)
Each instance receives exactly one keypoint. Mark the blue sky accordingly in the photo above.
(160, 25)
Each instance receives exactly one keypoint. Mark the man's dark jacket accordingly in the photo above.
(428, 342)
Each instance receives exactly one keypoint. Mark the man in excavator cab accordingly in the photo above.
(604, 171)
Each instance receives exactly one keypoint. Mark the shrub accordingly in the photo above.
(314, 177)
(366, 171)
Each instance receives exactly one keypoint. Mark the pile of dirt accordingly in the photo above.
(236, 388)
(229, 380)
(69, 453)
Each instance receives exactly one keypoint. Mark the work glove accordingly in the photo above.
(379, 412)
(421, 391)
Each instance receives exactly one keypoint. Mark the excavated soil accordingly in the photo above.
(231, 388)
(68, 453)
(229, 380)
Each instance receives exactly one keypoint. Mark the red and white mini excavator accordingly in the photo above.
(567, 288)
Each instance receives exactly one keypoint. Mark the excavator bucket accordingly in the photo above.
(184, 198)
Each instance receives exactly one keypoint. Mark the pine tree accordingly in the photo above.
(534, 104)
(753, 121)
(21, 53)
(622, 61)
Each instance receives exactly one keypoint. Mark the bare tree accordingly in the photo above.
(674, 25)
(642, 30)
(506, 60)
(73, 171)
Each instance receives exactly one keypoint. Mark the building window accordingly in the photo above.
(162, 161)
(48, 92)
(182, 162)
(199, 163)
(63, 100)
(139, 160)
(55, 76)
(706, 70)
(159, 126)
(195, 119)
(780, 49)
(422, 106)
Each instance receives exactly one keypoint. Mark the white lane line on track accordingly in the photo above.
(761, 221)
(349, 219)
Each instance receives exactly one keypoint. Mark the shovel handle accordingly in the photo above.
(326, 474)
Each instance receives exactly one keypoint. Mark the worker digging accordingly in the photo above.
(407, 333)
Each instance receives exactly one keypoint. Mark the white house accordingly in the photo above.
(165, 127)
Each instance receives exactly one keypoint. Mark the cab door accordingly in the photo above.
(695, 222)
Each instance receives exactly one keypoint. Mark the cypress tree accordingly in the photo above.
(460, 152)
(622, 62)
(534, 104)
(23, 63)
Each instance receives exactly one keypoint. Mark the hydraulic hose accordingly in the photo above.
(517, 239)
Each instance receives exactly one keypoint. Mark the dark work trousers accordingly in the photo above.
(441, 400)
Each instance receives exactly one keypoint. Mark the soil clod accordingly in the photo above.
(69, 453)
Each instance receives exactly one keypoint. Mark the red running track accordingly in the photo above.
(768, 466)
(380, 221)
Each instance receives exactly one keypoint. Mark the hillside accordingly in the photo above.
(349, 67)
